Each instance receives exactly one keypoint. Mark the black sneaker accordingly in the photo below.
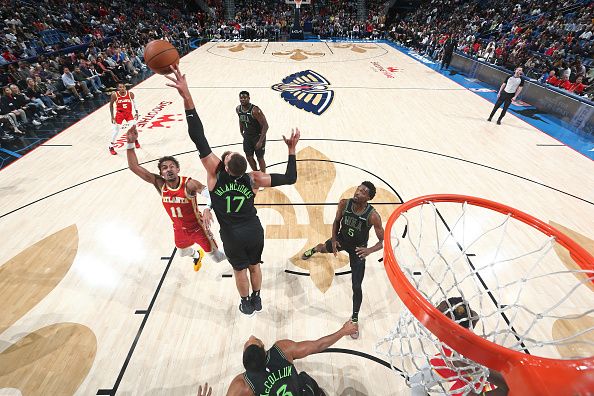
(256, 302)
(246, 307)
(307, 254)
(498, 122)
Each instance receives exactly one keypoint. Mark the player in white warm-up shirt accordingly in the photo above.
(509, 91)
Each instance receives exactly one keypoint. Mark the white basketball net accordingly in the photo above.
(298, 3)
(525, 297)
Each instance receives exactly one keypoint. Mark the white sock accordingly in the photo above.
(191, 252)
(115, 129)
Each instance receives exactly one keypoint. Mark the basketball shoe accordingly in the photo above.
(256, 301)
(112, 150)
(308, 253)
(246, 307)
(198, 260)
(136, 144)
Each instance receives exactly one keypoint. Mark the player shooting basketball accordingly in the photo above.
(178, 194)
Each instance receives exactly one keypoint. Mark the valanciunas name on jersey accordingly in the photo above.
(235, 187)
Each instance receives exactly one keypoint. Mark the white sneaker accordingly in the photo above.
(36, 123)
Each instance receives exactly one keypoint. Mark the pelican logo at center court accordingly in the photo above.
(306, 90)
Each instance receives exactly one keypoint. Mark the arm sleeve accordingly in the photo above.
(196, 132)
(290, 176)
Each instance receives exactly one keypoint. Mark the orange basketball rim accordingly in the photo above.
(525, 374)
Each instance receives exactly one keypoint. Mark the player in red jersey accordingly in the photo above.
(124, 101)
(446, 366)
(178, 194)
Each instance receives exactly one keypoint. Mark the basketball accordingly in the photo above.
(159, 55)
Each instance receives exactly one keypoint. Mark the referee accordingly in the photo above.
(508, 91)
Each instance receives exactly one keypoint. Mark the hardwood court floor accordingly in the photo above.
(87, 248)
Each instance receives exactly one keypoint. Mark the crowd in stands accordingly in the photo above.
(552, 40)
(55, 53)
(273, 19)
(340, 19)
(268, 19)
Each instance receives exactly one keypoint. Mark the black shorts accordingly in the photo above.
(309, 386)
(249, 146)
(243, 244)
(354, 260)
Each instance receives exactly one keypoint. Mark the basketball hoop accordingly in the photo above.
(460, 255)
(298, 3)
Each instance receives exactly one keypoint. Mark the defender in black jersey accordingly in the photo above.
(350, 232)
(232, 192)
(253, 127)
(272, 372)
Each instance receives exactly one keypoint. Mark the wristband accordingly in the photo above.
(130, 146)
(206, 195)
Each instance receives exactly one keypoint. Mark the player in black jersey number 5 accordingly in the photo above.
(350, 232)
(232, 192)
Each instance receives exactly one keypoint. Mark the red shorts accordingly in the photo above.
(121, 117)
(441, 368)
(185, 238)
